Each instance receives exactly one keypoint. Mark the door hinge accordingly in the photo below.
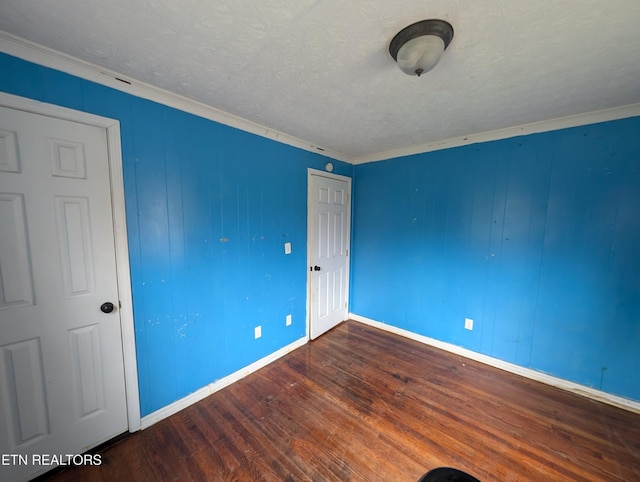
(119, 304)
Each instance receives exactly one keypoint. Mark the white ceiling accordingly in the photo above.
(320, 70)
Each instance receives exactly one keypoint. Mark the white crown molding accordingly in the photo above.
(207, 390)
(38, 54)
(41, 55)
(615, 113)
(572, 387)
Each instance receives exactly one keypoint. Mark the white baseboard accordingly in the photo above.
(576, 388)
(207, 390)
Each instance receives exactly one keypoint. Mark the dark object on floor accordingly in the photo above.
(447, 474)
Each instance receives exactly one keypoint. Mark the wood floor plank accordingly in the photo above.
(362, 404)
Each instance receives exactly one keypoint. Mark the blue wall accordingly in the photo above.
(209, 209)
(535, 238)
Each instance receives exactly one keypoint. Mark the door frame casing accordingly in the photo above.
(310, 231)
(116, 178)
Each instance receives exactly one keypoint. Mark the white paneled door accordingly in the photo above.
(62, 385)
(329, 219)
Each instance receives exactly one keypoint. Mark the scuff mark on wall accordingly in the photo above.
(603, 369)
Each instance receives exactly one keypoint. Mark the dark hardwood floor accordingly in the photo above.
(364, 405)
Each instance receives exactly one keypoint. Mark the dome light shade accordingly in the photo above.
(418, 47)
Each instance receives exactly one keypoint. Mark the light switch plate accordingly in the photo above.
(468, 324)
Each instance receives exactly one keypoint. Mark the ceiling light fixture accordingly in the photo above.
(418, 47)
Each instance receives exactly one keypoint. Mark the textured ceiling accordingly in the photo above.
(320, 70)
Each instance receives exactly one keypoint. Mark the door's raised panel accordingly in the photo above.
(72, 215)
(24, 383)
(324, 291)
(338, 234)
(88, 370)
(323, 195)
(67, 159)
(16, 283)
(323, 239)
(9, 158)
(339, 197)
(338, 289)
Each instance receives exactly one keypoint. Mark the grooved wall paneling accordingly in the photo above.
(534, 238)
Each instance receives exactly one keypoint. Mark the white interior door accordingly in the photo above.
(62, 387)
(329, 221)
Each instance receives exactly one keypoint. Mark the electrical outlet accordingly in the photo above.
(468, 324)
(257, 332)
(287, 248)
(288, 320)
